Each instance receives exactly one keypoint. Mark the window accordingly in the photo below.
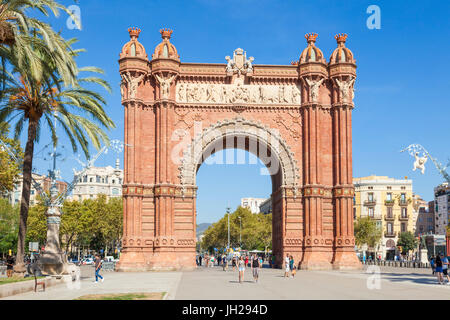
(91, 189)
(389, 228)
(370, 196)
(421, 228)
(379, 224)
(85, 179)
(404, 213)
(113, 181)
(389, 212)
(403, 188)
(403, 197)
(370, 211)
(115, 191)
(389, 196)
(403, 227)
(389, 188)
(91, 180)
(97, 179)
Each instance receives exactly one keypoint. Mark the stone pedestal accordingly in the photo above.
(53, 261)
(423, 255)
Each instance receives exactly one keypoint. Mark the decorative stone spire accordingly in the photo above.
(133, 48)
(165, 49)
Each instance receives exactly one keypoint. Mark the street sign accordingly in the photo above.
(33, 246)
(439, 240)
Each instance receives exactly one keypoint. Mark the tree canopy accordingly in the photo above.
(256, 233)
(367, 232)
(407, 241)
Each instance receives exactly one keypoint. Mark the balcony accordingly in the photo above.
(390, 234)
(375, 217)
(403, 202)
(370, 202)
(389, 202)
(403, 218)
(389, 218)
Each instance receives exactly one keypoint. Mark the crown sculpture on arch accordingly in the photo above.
(341, 37)
(166, 33)
(134, 32)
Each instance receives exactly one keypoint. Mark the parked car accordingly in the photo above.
(87, 261)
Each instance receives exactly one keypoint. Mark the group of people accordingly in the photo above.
(439, 266)
(289, 266)
(254, 262)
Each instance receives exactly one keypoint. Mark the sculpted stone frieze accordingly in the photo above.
(237, 93)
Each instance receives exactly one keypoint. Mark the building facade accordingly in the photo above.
(442, 208)
(389, 202)
(15, 196)
(98, 180)
(252, 204)
(266, 206)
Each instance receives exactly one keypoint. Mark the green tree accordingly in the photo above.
(256, 231)
(78, 111)
(10, 168)
(407, 241)
(37, 223)
(9, 225)
(367, 232)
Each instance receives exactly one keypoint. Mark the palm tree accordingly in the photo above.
(22, 33)
(79, 112)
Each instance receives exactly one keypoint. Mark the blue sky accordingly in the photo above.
(401, 89)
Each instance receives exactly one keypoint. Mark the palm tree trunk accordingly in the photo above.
(26, 188)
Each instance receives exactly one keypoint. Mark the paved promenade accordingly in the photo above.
(213, 283)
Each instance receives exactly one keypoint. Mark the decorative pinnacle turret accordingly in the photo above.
(311, 37)
(341, 38)
(134, 32)
(166, 33)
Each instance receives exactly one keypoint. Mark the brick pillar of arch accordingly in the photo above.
(133, 254)
(343, 191)
(316, 254)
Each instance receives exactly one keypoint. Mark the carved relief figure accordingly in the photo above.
(344, 89)
(314, 89)
(238, 92)
(420, 162)
(164, 85)
(182, 92)
(230, 64)
(248, 64)
(133, 84)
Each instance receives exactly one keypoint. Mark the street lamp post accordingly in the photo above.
(228, 212)
(240, 231)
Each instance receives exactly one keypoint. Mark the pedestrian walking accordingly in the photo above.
(246, 261)
(233, 261)
(445, 269)
(255, 265)
(286, 266)
(291, 265)
(241, 268)
(200, 260)
(433, 265)
(98, 266)
(9, 266)
(439, 269)
(272, 261)
(224, 262)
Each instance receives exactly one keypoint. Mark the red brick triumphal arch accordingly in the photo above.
(296, 118)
